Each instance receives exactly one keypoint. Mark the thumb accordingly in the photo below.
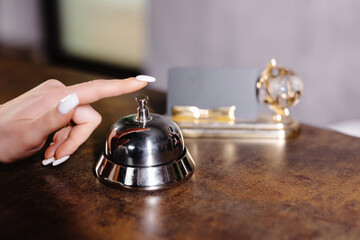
(58, 116)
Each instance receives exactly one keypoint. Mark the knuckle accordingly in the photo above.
(60, 136)
(96, 83)
(53, 83)
(97, 119)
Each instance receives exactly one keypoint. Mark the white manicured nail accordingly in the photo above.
(68, 103)
(48, 161)
(61, 160)
(51, 143)
(145, 78)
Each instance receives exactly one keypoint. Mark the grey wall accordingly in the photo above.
(20, 23)
(319, 40)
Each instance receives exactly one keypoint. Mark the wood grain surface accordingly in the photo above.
(303, 188)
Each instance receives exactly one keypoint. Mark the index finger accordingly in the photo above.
(89, 92)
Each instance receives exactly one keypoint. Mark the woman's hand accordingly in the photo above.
(27, 121)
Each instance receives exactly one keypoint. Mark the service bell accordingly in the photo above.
(144, 151)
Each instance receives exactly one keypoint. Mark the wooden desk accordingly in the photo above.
(304, 188)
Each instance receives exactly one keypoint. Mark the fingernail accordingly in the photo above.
(68, 103)
(145, 78)
(59, 161)
(47, 161)
(51, 143)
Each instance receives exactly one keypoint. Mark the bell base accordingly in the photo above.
(145, 178)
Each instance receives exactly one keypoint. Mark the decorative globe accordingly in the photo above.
(279, 88)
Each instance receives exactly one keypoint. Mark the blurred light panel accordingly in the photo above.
(109, 31)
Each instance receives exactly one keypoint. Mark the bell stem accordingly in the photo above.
(143, 114)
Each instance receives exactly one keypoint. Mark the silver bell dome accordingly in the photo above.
(144, 151)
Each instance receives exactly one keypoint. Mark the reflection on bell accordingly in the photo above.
(144, 151)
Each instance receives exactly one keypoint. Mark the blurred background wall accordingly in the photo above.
(319, 40)
(20, 24)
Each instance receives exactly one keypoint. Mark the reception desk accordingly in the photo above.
(302, 188)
